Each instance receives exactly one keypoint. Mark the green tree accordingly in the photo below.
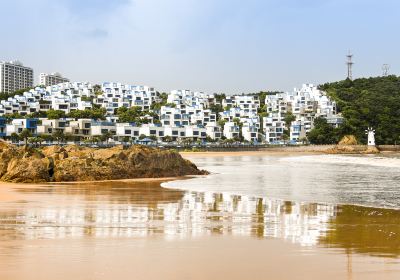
(106, 136)
(368, 102)
(55, 114)
(167, 139)
(35, 141)
(14, 137)
(289, 118)
(5, 96)
(216, 109)
(97, 89)
(219, 97)
(135, 115)
(156, 106)
(24, 135)
(94, 113)
(322, 133)
(47, 137)
(59, 136)
(285, 137)
(221, 123)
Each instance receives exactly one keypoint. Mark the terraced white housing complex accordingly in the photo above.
(183, 115)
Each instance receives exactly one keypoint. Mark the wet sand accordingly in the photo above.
(210, 257)
(9, 191)
(134, 229)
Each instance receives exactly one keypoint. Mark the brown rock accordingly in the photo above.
(348, 140)
(74, 163)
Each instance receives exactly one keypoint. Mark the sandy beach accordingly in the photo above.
(210, 257)
(10, 192)
(114, 229)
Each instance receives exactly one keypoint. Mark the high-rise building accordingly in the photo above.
(15, 76)
(52, 79)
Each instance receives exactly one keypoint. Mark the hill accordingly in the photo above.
(367, 102)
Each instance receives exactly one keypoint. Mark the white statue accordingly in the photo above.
(371, 136)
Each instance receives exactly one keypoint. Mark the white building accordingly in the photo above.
(15, 76)
(231, 130)
(51, 79)
(305, 104)
(214, 131)
(18, 125)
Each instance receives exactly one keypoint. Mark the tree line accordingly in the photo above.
(367, 102)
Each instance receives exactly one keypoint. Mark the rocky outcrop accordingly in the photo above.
(76, 163)
(348, 140)
(349, 145)
(353, 149)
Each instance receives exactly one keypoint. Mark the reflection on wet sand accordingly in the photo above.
(121, 209)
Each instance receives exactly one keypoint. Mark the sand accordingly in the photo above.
(212, 257)
(155, 255)
(9, 191)
(246, 153)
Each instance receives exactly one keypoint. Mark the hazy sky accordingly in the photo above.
(230, 46)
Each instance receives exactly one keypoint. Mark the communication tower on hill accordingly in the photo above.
(385, 70)
(350, 66)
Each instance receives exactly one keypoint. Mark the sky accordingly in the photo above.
(230, 46)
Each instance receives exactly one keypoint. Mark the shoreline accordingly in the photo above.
(271, 152)
(249, 153)
(9, 193)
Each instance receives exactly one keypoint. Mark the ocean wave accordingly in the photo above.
(378, 161)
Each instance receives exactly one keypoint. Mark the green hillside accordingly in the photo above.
(368, 102)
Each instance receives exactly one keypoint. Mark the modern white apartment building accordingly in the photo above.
(214, 131)
(18, 125)
(231, 130)
(15, 76)
(127, 131)
(51, 126)
(102, 128)
(51, 79)
(305, 104)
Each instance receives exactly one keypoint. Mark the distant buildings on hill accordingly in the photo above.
(176, 116)
(51, 79)
(180, 114)
(15, 76)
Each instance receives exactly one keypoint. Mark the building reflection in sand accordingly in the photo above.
(144, 209)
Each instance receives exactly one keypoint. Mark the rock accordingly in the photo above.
(75, 163)
(348, 140)
(27, 170)
(349, 145)
(7, 153)
(371, 150)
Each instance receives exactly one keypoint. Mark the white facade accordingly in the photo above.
(231, 130)
(51, 79)
(305, 104)
(214, 131)
(186, 116)
(15, 76)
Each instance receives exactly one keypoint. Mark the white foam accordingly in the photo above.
(345, 159)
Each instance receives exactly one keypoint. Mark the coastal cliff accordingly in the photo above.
(77, 163)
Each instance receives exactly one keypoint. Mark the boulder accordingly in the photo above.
(75, 163)
(348, 140)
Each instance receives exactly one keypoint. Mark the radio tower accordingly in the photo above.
(350, 66)
(385, 69)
